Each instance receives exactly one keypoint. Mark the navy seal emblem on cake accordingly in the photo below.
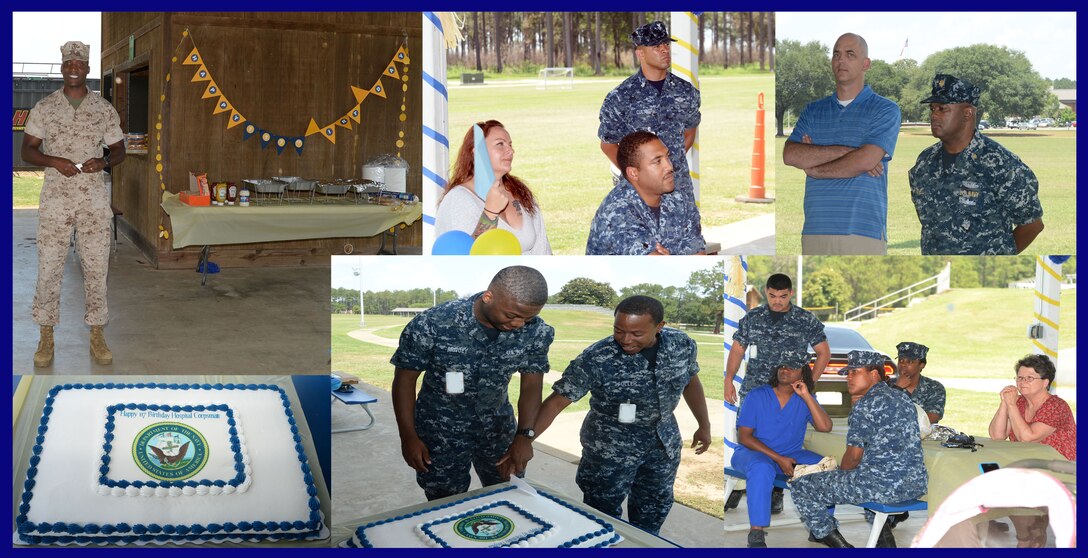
(484, 527)
(170, 451)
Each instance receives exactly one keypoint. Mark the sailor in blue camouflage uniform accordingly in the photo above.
(883, 460)
(771, 331)
(972, 195)
(655, 100)
(924, 391)
(467, 350)
(646, 213)
(630, 439)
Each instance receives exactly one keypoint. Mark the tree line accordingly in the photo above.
(1011, 87)
(846, 282)
(596, 43)
(699, 302)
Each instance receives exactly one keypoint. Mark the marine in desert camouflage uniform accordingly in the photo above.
(65, 133)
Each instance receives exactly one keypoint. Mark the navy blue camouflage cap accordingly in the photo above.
(912, 351)
(949, 89)
(651, 34)
(859, 359)
(793, 359)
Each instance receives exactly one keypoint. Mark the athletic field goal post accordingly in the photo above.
(556, 78)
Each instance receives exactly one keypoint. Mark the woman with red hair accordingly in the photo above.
(509, 204)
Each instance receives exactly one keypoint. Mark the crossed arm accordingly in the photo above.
(833, 161)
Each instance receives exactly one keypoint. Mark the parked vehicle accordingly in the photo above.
(842, 340)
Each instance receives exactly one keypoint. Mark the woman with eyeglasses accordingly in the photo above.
(1030, 413)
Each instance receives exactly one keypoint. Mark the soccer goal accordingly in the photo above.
(556, 78)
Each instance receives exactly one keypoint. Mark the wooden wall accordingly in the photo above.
(279, 70)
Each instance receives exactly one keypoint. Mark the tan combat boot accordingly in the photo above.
(99, 351)
(44, 356)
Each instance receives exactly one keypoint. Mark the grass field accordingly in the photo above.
(971, 333)
(25, 189)
(574, 331)
(1051, 154)
(558, 154)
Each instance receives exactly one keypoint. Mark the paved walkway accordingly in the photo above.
(750, 237)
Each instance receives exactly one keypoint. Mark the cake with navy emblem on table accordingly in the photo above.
(506, 517)
(168, 463)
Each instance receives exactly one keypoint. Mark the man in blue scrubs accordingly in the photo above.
(771, 429)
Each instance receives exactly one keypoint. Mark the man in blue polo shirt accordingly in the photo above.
(843, 142)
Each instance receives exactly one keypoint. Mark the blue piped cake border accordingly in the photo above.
(235, 446)
(606, 527)
(544, 525)
(66, 533)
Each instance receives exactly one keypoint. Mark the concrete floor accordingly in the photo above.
(244, 321)
(369, 475)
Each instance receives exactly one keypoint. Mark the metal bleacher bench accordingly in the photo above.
(882, 511)
(356, 397)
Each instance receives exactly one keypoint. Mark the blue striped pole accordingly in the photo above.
(436, 145)
(685, 64)
(735, 306)
(1048, 293)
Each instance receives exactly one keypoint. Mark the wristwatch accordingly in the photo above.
(527, 432)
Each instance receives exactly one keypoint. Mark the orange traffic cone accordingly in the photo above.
(756, 191)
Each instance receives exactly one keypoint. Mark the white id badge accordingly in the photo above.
(627, 413)
(455, 382)
(753, 351)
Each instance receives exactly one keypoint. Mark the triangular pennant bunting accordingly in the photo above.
(378, 89)
(265, 138)
(281, 142)
(355, 114)
(223, 105)
(249, 131)
(193, 58)
(402, 55)
(202, 74)
(313, 128)
(299, 143)
(360, 94)
(329, 133)
(344, 122)
(235, 119)
(211, 91)
(391, 71)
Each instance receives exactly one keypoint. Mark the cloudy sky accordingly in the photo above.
(1048, 39)
(36, 36)
(468, 274)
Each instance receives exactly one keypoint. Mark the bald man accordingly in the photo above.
(844, 142)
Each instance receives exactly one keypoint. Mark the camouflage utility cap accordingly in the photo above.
(949, 89)
(651, 34)
(861, 359)
(75, 50)
(912, 351)
(793, 360)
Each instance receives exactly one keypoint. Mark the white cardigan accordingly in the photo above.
(460, 208)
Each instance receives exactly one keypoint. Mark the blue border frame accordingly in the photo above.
(606, 528)
(64, 533)
(235, 447)
(544, 525)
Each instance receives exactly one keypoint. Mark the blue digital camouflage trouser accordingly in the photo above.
(455, 444)
(642, 473)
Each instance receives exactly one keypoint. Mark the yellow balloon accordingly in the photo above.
(496, 242)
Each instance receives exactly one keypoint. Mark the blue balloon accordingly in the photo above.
(335, 383)
(452, 243)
